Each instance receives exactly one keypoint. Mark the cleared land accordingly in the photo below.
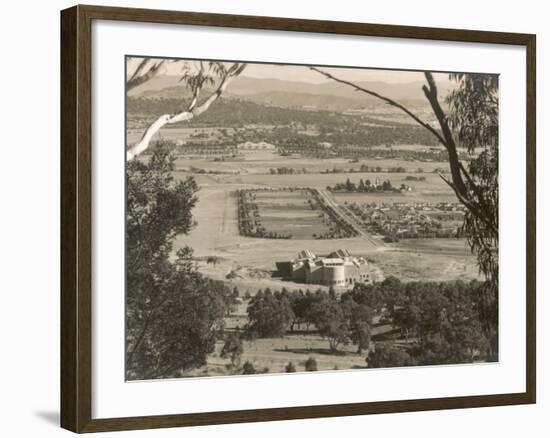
(275, 353)
(429, 192)
(261, 162)
(291, 213)
(248, 262)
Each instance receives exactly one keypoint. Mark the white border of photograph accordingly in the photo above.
(113, 397)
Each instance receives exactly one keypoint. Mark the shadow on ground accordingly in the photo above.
(51, 417)
(323, 351)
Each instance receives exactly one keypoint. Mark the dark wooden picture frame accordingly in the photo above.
(76, 218)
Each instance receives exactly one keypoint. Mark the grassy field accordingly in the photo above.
(431, 195)
(285, 212)
(427, 259)
(260, 162)
(173, 134)
(275, 353)
(249, 261)
(433, 184)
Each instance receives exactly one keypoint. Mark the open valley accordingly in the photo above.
(305, 226)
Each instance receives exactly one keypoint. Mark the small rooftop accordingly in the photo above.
(333, 261)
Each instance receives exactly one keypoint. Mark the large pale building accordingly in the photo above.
(339, 269)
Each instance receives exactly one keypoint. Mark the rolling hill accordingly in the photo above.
(284, 93)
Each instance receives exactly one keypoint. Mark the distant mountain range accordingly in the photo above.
(329, 95)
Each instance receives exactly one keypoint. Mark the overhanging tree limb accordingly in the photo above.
(192, 110)
(430, 91)
(469, 194)
(431, 94)
(146, 70)
(385, 99)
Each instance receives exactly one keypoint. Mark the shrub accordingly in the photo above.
(290, 368)
(311, 364)
(248, 368)
(386, 356)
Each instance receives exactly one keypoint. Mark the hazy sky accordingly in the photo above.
(303, 74)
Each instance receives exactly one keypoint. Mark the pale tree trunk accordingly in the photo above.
(191, 112)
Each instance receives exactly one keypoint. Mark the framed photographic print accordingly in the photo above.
(324, 218)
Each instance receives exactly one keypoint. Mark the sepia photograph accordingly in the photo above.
(285, 218)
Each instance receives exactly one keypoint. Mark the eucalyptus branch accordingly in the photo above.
(145, 71)
(385, 99)
(430, 91)
(193, 110)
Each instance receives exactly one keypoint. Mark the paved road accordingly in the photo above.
(349, 217)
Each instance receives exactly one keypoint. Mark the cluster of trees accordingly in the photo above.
(201, 171)
(415, 178)
(440, 323)
(366, 187)
(250, 224)
(174, 315)
(434, 323)
(233, 350)
(309, 365)
(425, 232)
(247, 213)
(314, 146)
(347, 134)
(362, 169)
(232, 112)
(171, 308)
(339, 228)
(403, 221)
(342, 231)
(468, 129)
(287, 171)
(270, 314)
(397, 169)
(212, 147)
(206, 149)
(378, 169)
(340, 321)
